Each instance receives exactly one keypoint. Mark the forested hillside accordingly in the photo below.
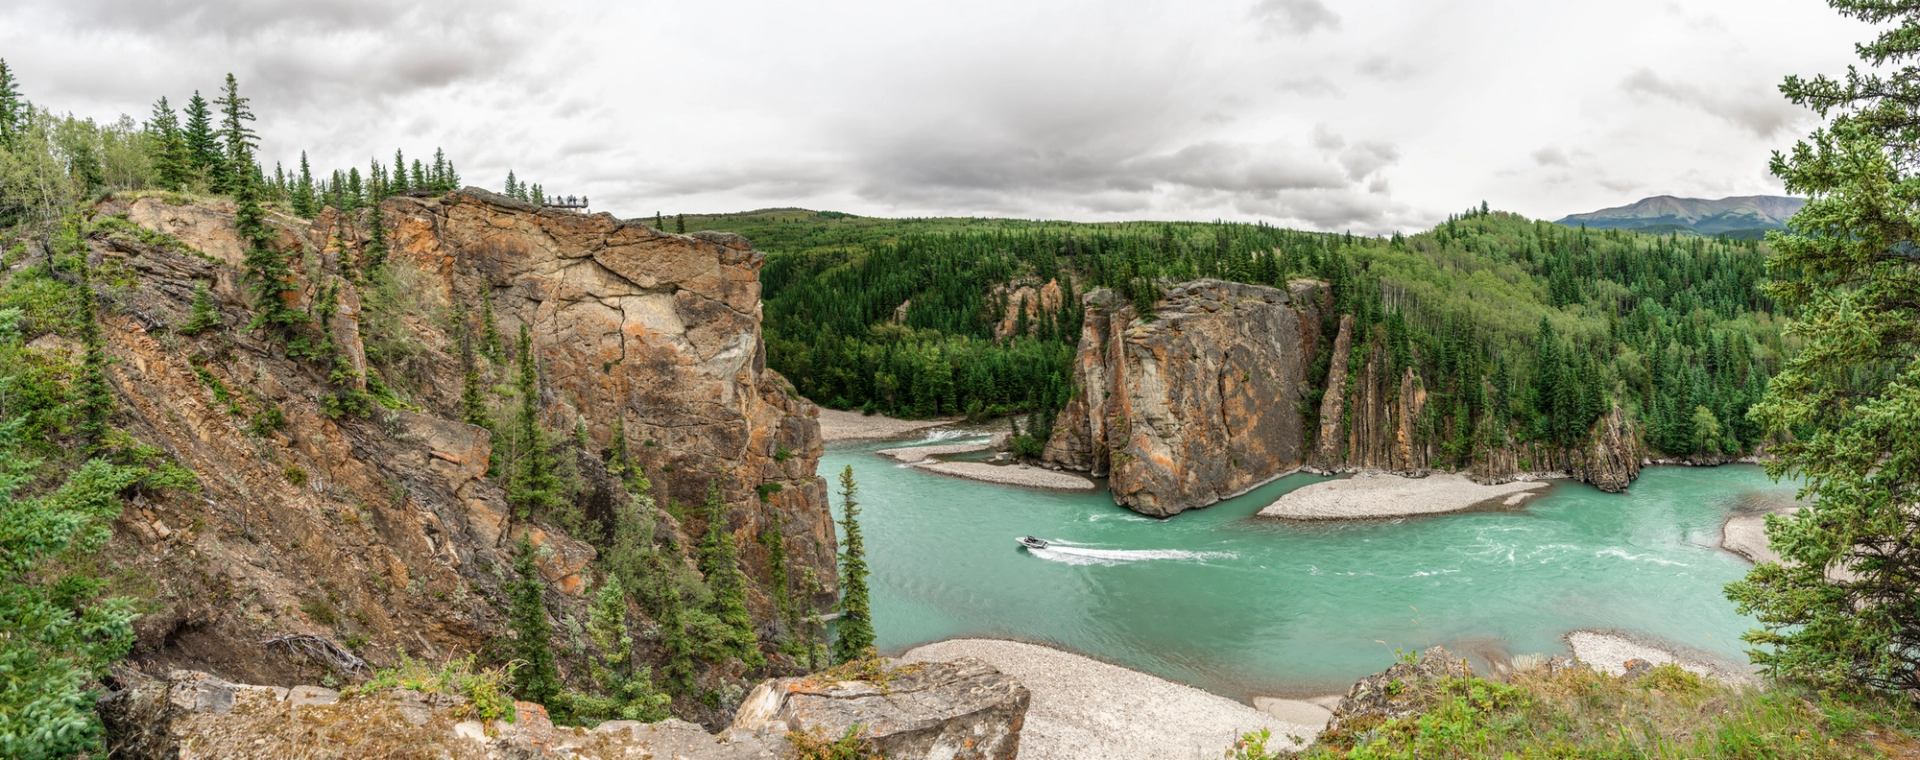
(1515, 326)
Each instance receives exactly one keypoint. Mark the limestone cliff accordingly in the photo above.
(382, 532)
(1200, 402)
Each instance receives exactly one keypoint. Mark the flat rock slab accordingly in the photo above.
(1378, 495)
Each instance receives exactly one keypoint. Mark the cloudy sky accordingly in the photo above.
(1363, 115)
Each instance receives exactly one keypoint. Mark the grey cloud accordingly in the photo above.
(1385, 69)
(1312, 86)
(1550, 156)
(1764, 113)
(1295, 16)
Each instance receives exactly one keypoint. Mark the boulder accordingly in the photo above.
(958, 710)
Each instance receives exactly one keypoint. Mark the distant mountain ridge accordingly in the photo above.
(1743, 216)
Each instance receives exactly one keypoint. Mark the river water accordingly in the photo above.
(1241, 606)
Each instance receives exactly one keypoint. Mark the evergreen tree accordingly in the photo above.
(172, 164)
(720, 565)
(13, 109)
(397, 181)
(204, 315)
(512, 189)
(675, 640)
(238, 138)
(303, 197)
(627, 682)
(1845, 405)
(473, 403)
(536, 678)
(92, 391)
(854, 633)
(680, 224)
(373, 258)
(203, 146)
(535, 484)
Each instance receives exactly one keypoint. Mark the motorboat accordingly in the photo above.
(1032, 543)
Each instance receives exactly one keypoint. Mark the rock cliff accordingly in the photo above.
(1196, 404)
(1212, 397)
(382, 532)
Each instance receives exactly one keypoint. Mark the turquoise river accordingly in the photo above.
(1238, 605)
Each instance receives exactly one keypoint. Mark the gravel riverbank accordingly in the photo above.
(1085, 708)
(1011, 474)
(1608, 652)
(836, 425)
(1376, 495)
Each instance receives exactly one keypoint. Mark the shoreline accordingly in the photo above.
(1609, 651)
(1377, 495)
(1022, 475)
(838, 426)
(1085, 707)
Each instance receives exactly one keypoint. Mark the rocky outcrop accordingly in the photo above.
(1397, 692)
(658, 332)
(963, 710)
(1200, 402)
(382, 531)
(1027, 304)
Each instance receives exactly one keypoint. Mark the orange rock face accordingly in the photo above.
(1198, 404)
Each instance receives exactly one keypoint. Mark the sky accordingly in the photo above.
(1341, 115)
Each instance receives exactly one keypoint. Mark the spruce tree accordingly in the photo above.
(203, 147)
(512, 189)
(204, 315)
(720, 565)
(303, 198)
(675, 640)
(535, 484)
(536, 677)
(373, 257)
(94, 394)
(473, 404)
(854, 635)
(397, 181)
(238, 138)
(1843, 606)
(13, 109)
(172, 165)
(623, 679)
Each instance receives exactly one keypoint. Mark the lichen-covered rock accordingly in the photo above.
(949, 711)
(958, 710)
(1197, 404)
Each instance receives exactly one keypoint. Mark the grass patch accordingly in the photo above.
(1665, 713)
(485, 689)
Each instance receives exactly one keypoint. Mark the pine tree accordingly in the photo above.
(720, 565)
(172, 165)
(512, 189)
(203, 147)
(303, 198)
(535, 484)
(238, 138)
(268, 271)
(1844, 406)
(536, 678)
(13, 109)
(854, 633)
(680, 224)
